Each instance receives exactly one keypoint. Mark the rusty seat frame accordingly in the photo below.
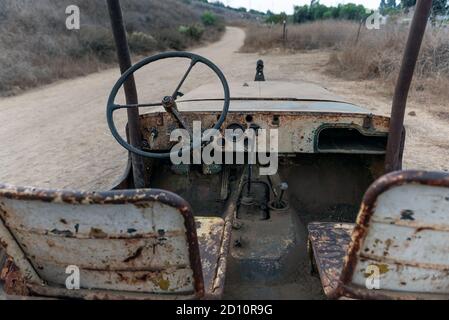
(334, 247)
(208, 250)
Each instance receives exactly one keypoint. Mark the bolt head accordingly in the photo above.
(167, 100)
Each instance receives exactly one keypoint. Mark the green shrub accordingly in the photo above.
(99, 41)
(209, 19)
(194, 31)
(140, 42)
(172, 39)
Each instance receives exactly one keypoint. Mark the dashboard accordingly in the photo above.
(297, 132)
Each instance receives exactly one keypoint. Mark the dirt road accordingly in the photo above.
(56, 136)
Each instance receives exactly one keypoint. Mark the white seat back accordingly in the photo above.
(124, 244)
(401, 238)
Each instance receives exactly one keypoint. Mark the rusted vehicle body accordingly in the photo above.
(226, 229)
(401, 232)
(123, 252)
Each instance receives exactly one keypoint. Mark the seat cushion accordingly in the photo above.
(329, 242)
(210, 236)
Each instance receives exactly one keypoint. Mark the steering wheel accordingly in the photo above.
(168, 102)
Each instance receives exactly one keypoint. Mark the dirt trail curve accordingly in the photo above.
(56, 136)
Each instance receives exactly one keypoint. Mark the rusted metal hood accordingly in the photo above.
(267, 90)
(270, 96)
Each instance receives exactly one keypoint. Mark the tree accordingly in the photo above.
(383, 7)
(277, 18)
(407, 3)
(256, 12)
(327, 14)
(391, 4)
(218, 4)
(301, 14)
(439, 7)
(351, 11)
(317, 11)
(388, 6)
(209, 19)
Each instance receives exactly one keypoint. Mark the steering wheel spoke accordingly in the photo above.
(193, 62)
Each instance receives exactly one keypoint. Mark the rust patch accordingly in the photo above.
(407, 215)
(97, 233)
(420, 229)
(4, 212)
(64, 233)
(3, 244)
(134, 256)
(143, 205)
(164, 284)
(388, 244)
(142, 197)
(383, 268)
(15, 284)
(50, 243)
(329, 243)
(155, 277)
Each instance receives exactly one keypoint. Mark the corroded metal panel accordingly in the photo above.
(409, 232)
(403, 229)
(136, 242)
(210, 235)
(298, 131)
(165, 281)
(99, 237)
(329, 244)
(400, 243)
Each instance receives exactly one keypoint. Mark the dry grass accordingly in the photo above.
(36, 48)
(307, 36)
(376, 55)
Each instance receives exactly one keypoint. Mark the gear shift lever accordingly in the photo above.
(279, 204)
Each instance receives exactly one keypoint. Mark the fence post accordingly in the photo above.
(284, 35)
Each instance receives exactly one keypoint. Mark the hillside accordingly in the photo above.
(36, 47)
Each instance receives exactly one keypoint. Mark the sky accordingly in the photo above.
(278, 6)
